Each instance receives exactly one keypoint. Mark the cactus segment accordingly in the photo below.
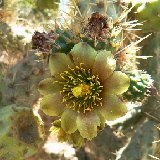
(140, 84)
(20, 133)
(149, 13)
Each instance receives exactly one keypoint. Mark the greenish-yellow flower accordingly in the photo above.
(83, 89)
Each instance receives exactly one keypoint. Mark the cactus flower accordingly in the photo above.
(83, 90)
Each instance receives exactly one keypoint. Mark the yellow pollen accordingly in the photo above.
(77, 91)
(81, 90)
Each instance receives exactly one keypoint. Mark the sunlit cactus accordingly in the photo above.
(90, 77)
(140, 87)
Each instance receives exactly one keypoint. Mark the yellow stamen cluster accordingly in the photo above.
(81, 90)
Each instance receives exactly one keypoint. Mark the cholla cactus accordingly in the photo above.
(86, 63)
(84, 89)
(148, 13)
(140, 86)
(91, 60)
(20, 134)
(20, 81)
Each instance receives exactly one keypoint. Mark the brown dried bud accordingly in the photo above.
(97, 27)
(42, 41)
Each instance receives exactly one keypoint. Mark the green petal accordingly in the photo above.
(59, 62)
(63, 136)
(68, 121)
(104, 64)
(113, 108)
(117, 83)
(87, 125)
(49, 86)
(76, 139)
(102, 117)
(83, 53)
(51, 104)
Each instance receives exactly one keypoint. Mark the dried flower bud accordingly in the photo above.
(42, 41)
(97, 27)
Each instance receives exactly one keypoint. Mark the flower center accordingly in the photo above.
(81, 89)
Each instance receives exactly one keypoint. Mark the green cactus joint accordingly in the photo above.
(27, 130)
(84, 89)
(140, 83)
(64, 42)
(20, 133)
